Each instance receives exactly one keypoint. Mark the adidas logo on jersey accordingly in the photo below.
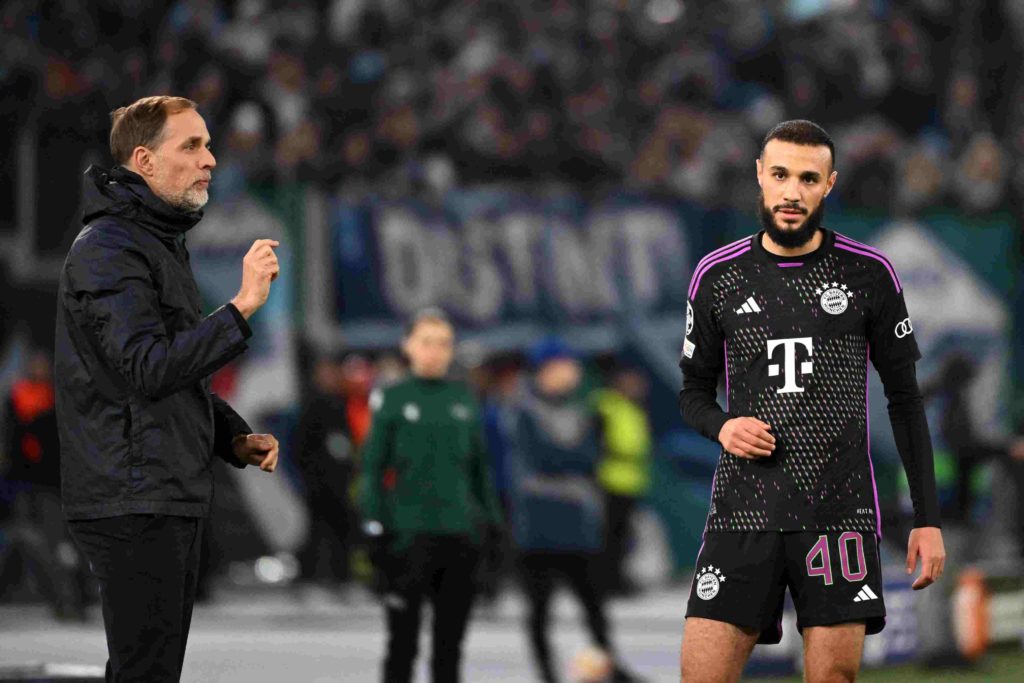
(865, 594)
(749, 306)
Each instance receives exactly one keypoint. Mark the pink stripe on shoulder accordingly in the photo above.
(720, 250)
(878, 252)
(711, 258)
(878, 258)
(702, 270)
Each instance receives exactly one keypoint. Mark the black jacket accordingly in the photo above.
(137, 421)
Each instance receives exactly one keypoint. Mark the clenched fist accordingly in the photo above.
(259, 269)
(747, 437)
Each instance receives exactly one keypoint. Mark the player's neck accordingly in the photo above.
(773, 247)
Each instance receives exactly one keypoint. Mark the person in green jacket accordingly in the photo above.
(428, 501)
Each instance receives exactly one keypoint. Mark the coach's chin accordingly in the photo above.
(138, 424)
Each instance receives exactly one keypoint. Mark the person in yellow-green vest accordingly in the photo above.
(624, 470)
(428, 501)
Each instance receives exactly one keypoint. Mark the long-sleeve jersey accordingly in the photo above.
(793, 336)
(425, 468)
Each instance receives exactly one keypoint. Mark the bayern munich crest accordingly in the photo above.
(709, 582)
(835, 298)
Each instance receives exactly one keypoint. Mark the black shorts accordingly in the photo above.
(834, 578)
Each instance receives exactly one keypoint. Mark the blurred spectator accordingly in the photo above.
(969, 445)
(557, 507)
(624, 470)
(325, 451)
(38, 530)
(499, 390)
(356, 384)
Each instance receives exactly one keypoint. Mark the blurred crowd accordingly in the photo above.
(662, 96)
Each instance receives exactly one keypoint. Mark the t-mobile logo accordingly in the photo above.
(789, 361)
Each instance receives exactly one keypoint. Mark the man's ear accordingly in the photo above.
(759, 165)
(141, 161)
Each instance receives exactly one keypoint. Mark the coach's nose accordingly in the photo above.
(208, 161)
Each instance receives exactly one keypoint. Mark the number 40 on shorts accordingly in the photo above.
(820, 564)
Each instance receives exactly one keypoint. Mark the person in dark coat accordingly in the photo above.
(137, 421)
(325, 452)
(558, 516)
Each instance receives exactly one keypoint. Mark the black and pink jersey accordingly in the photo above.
(794, 337)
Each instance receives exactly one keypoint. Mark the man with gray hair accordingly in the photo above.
(138, 423)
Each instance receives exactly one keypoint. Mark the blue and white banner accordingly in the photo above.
(490, 257)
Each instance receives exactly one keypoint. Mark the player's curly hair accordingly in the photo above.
(801, 132)
(141, 124)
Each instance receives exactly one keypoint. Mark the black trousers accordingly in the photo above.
(541, 573)
(441, 570)
(147, 567)
(618, 512)
(330, 527)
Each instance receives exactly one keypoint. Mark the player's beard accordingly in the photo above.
(792, 238)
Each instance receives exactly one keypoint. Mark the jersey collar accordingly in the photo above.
(796, 263)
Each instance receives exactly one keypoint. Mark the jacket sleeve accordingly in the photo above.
(482, 478)
(227, 424)
(112, 290)
(376, 452)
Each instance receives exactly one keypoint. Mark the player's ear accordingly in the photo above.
(759, 165)
(831, 182)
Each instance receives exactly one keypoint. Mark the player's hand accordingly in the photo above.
(259, 269)
(257, 449)
(747, 437)
(926, 543)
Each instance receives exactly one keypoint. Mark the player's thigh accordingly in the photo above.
(739, 579)
(715, 651)
(835, 578)
(832, 654)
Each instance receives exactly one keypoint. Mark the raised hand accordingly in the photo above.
(259, 269)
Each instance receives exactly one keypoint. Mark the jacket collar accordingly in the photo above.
(120, 192)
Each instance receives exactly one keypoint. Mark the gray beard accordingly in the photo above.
(190, 200)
